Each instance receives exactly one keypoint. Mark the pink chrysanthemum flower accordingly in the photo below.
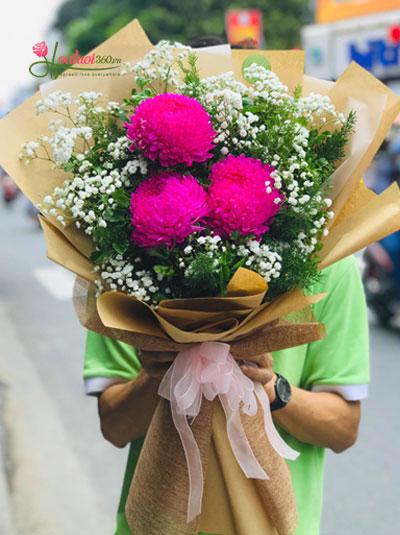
(242, 196)
(166, 208)
(173, 128)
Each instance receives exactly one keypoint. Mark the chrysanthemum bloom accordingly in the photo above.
(172, 128)
(166, 209)
(242, 196)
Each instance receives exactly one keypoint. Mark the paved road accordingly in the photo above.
(41, 366)
(53, 428)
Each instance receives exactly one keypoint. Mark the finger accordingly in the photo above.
(261, 375)
(264, 360)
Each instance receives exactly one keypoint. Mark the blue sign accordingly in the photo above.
(378, 53)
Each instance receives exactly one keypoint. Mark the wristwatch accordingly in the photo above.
(283, 393)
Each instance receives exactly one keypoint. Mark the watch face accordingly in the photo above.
(283, 389)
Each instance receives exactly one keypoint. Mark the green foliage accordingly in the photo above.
(86, 23)
(287, 225)
(331, 145)
(298, 272)
(204, 279)
(115, 237)
(191, 74)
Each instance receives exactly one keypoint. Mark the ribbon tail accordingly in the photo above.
(239, 442)
(274, 437)
(193, 460)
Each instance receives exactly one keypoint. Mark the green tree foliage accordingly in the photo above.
(86, 23)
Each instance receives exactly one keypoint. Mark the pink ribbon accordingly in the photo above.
(209, 369)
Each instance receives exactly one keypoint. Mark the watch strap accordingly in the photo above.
(278, 402)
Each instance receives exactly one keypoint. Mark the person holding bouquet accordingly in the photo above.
(315, 390)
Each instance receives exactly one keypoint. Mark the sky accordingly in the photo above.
(22, 24)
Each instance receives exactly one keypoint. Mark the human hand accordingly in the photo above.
(262, 372)
(156, 363)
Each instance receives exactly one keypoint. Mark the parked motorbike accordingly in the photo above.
(10, 190)
(381, 286)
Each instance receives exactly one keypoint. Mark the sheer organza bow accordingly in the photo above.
(209, 370)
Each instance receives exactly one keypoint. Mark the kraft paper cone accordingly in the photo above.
(61, 251)
(239, 508)
(275, 336)
(241, 315)
(276, 494)
(358, 229)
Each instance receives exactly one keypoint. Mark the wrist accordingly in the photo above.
(270, 388)
(282, 391)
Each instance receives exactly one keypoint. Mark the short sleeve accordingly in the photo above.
(107, 361)
(340, 362)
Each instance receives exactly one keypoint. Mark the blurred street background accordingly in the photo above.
(57, 474)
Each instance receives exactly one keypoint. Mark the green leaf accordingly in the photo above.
(158, 253)
(69, 166)
(121, 248)
(121, 198)
(113, 216)
(123, 116)
(239, 264)
(100, 233)
(99, 257)
(166, 271)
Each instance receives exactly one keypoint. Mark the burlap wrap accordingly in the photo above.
(232, 504)
(157, 499)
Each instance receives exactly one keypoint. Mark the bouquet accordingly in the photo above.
(197, 196)
(190, 178)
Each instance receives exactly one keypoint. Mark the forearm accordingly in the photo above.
(320, 418)
(126, 409)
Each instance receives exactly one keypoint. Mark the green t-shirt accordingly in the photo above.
(339, 363)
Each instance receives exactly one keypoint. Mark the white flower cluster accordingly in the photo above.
(118, 274)
(265, 84)
(60, 99)
(60, 146)
(87, 107)
(119, 148)
(260, 258)
(160, 65)
(57, 99)
(28, 151)
(222, 96)
(78, 198)
(318, 110)
(62, 143)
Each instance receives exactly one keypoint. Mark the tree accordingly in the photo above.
(96, 20)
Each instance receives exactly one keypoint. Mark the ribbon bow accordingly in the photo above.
(209, 369)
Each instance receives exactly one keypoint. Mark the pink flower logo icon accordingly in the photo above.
(40, 49)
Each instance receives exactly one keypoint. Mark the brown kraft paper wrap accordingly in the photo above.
(241, 319)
